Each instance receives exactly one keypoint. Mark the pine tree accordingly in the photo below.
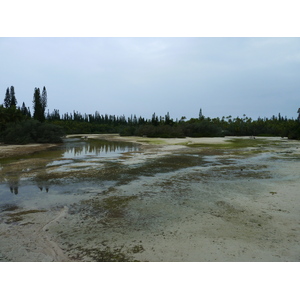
(7, 99)
(24, 109)
(44, 99)
(200, 114)
(38, 113)
(13, 100)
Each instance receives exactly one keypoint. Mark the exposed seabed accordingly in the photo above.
(227, 199)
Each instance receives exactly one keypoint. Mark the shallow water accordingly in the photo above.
(154, 205)
(39, 180)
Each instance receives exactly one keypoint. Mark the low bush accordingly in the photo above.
(31, 131)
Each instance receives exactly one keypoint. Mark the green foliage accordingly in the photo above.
(13, 100)
(10, 98)
(163, 131)
(201, 128)
(31, 131)
(44, 100)
(7, 99)
(164, 127)
(38, 106)
(8, 115)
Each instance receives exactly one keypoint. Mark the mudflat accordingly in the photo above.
(191, 199)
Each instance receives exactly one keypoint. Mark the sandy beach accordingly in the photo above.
(176, 200)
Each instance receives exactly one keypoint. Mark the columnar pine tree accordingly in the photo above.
(7, 99)
(25, 111)
(13, 100)
(200, 114)
(38, 113)
(44, 99)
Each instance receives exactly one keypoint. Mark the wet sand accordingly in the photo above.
(175, 203)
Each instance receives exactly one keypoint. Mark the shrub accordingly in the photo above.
(31, 131)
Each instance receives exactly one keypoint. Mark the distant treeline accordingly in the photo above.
(167, 127)
(49, 127)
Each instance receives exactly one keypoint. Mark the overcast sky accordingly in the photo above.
(223, 76)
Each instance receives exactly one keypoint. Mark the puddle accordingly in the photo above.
(39, 180)
(29, 195)
(78, 149)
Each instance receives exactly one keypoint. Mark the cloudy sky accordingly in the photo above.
(223, 76)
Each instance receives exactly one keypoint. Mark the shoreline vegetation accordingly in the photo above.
(19, 126)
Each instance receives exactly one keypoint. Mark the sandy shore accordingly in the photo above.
(229, 205)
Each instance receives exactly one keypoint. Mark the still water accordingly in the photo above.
(59, 176)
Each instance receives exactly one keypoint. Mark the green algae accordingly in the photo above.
(107, 254)
(137, 249)
(152, 141)
(8, 207)
(247, 221)
(19, 216)
(107, 208)
(235, 143)
(101, 255)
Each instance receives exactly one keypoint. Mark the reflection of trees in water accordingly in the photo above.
(12, 175)
(11, 178)
(14, 187)
(98, 148)
(46, 188)
(42, 182)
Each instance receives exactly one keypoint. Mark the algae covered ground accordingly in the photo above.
(201, 199)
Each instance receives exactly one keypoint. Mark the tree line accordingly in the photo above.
(19, 126)
(165, 126)
(42, 126)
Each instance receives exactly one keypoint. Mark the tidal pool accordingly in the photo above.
(54, 177)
